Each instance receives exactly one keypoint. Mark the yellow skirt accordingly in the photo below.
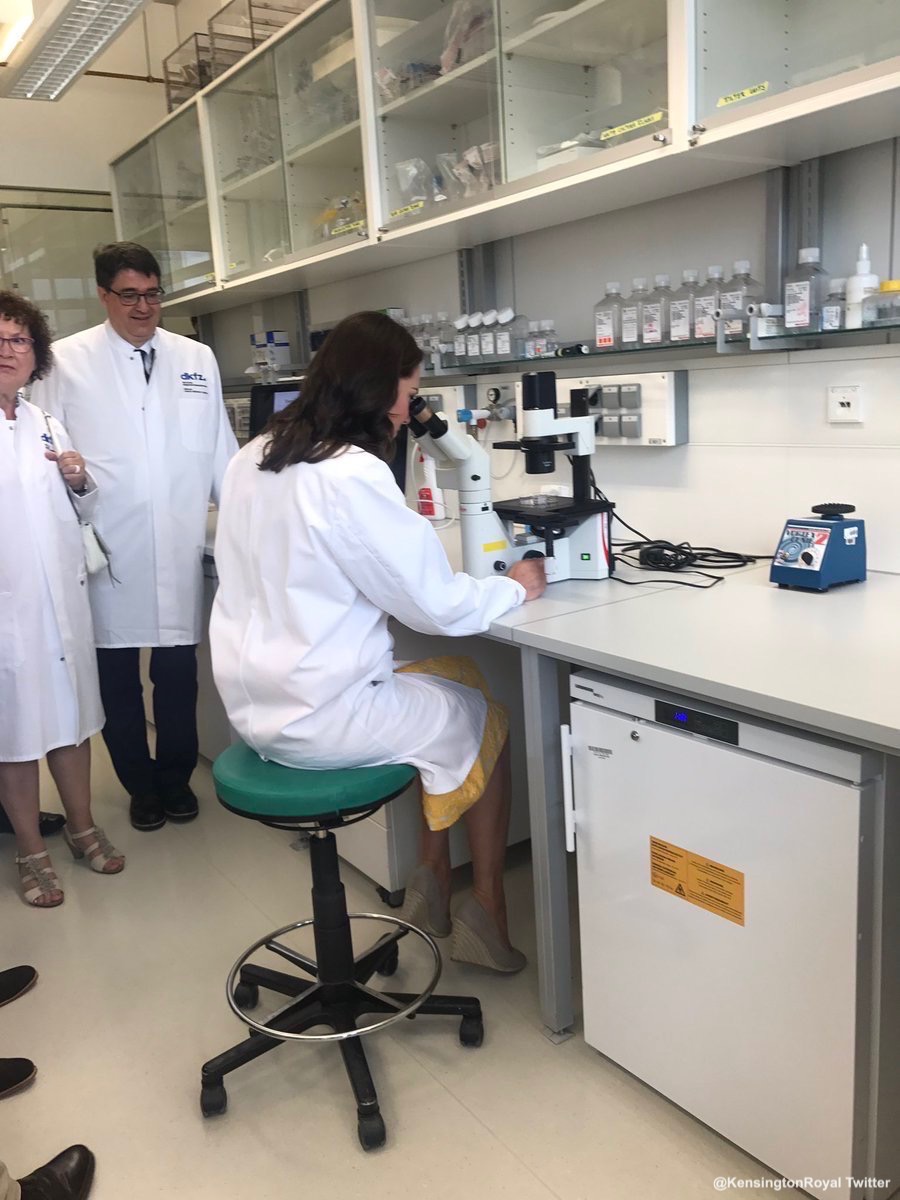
(443, 810)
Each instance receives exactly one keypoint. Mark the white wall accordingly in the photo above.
(429, 286)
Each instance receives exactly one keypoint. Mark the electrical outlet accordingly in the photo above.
(845, 404)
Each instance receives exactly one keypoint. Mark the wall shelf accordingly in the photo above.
(332, 150)
(591, 32)
(457, 97)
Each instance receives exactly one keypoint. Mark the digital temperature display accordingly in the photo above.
(719, 728)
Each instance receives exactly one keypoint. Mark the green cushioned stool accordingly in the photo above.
(334, 991)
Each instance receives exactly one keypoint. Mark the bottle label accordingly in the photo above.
(603, 328)
(704, 321)
(735, 301)
(540, 346)
(796, 304)
(473, 345)
(831, 316)
(652, 328)
(503, 341)
(680, 321)
(459, 345)
(629, 325)
(488, 343)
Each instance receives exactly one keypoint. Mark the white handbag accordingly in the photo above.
(96, 552)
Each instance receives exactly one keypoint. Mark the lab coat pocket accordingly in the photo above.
(195, 420)
(12, 651)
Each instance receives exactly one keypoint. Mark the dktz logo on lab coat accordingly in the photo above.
(194, 384)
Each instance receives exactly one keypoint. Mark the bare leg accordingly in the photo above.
(434, 852)
(487, 827)
(70, 767)
(19, 795)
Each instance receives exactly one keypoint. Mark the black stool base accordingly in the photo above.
(336, 996)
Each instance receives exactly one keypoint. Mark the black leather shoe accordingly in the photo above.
(66, 1177)
(49, 823)
(181, 805)
(147, 812)
(15, 982)
(15, 1073)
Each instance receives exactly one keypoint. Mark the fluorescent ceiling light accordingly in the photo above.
(80, 31)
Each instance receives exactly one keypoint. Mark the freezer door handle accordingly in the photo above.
(565, 738)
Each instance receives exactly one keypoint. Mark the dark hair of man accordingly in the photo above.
(123, 256)
(14, 307)
(346, 395)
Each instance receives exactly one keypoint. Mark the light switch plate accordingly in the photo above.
(845, 404)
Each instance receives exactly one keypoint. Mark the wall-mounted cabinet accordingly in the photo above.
(161, 202)
(370, 133)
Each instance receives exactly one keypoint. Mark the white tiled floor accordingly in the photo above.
(130, 1003)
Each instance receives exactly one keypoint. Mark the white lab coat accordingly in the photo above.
(158, 451)
(49, 694)
(311, 562)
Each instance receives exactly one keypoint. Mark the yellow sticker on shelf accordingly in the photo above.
(414, 207)
(491, 547)
(698, 880)
(630, 126)
(758, 89)
(347, 228)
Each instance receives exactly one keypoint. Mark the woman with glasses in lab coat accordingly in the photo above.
(315, 550)
(49, 694)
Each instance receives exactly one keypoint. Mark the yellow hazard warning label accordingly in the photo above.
(701, 881)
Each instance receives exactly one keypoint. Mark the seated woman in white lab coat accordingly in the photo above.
(49, 693)
(315, 549)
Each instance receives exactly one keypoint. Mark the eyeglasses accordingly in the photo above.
(130, 297)
(18, 345)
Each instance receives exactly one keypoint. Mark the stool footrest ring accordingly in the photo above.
(406, 1010)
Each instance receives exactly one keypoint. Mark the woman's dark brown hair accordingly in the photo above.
(14, 307)
(346, 395)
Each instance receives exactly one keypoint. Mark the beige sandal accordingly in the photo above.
(100, 853)
(43, 879)
(476, 939)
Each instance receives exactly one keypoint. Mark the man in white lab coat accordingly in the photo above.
(145, 408)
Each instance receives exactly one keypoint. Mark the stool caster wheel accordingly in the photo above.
(391, 899)
(246, 995)
(390, 964)
(213, 1099)
(371, 1131)
(471, 1031)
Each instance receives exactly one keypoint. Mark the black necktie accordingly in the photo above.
(148, 357)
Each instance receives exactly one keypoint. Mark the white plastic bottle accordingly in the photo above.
(460, 327)
(863, 283)
(804, 292)
(442, 342)
(608, 319)
(632, 314)
(681, 307)
(655, 313)
(473, 337)
(833, 308)
(489, 335)
(740, 290)
(705, 304)
(511, 334)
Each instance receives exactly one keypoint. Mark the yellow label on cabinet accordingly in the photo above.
(350, 228)
(630, 126)
(698, 880)
(408, 208)
(758, 89)
(492, 547)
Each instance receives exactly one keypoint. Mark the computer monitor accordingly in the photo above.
(269, 398)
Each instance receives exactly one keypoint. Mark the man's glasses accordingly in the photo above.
(129, 297)
(18, 345)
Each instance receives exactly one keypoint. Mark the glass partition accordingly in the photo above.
(747, 54)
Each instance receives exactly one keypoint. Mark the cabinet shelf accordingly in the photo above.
(455, 98)
(332, 150)
(188, 210)
(592, 32)
(263, 184)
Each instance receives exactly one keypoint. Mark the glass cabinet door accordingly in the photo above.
(249, 169)
(745, 55)
(139, 198)
(437, 89)
(580, 78)
(188, 262)
(315, 71)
